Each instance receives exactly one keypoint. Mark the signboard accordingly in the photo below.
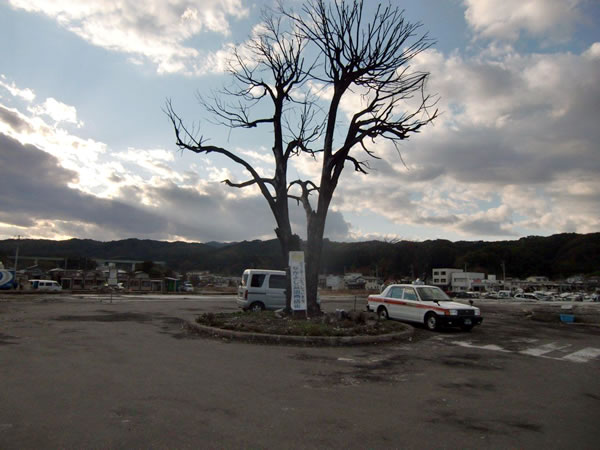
(112, 274)
(7, 279)
(298, 278)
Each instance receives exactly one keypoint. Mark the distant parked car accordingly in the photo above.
(526, 296)
(187, 287)
(504, 294)
(45, 285)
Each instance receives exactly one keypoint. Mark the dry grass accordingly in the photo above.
(351, 324)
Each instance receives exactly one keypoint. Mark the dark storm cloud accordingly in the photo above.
(14, 120)
(439, 220)
(215, 215)
(527, 120)
(485, 227)
(33, 186)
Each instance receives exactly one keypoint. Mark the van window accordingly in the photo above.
(257, 280)
(244, 280)
(277, 281)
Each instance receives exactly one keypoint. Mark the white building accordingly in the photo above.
(334, 282)
(464, 281)
(373, 283)
(443, 277)
(537, 279)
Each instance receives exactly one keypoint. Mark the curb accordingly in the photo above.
(321, 341)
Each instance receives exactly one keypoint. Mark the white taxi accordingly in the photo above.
(424, 304)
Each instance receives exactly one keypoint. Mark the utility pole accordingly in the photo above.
(503, 272)
(17, 253)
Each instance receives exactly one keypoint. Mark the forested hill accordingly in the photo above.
(557, 256)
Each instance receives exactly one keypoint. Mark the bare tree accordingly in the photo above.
(327, 47)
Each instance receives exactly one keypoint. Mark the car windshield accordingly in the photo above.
(432, 294)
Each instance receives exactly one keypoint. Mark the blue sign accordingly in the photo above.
(8, 279)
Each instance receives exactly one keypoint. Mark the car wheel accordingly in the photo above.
(431, 321)
(466, 327)
(256, 307)
(382, 312)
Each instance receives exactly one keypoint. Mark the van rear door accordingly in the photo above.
(243, 287)
(276, 290)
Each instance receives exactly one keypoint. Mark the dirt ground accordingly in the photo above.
(81, 372)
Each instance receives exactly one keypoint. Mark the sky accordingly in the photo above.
(86, 150)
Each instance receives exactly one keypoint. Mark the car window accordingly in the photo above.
(433, 294)
(257, 280)
(277, 281)
(244, 279)
(396, 292)
(410, 294)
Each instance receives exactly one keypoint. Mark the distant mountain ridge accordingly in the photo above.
(556, 256)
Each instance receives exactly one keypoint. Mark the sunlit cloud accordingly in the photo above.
(26, 94)
(156, 31)
(507, 19)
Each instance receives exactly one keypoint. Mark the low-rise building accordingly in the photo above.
(464, 281)
(334, 282)
(443, 277)
(354, 281)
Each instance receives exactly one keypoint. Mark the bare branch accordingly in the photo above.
(307, 187)
(187, 141)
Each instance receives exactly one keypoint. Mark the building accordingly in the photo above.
(537, 279)
(354, 281)
(373, 283)
(464, 281)
(443, 277)
(334, 282)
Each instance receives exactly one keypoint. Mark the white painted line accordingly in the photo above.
(543, 349)
(580, 356)
(492, 347)
(583, 355)
(524, 340)
(345, 359)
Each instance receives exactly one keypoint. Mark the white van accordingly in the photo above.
(45, 285)
(262, 289)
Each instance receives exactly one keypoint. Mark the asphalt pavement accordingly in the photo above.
(82, 372)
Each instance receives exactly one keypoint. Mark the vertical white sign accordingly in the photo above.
(112, 274)
(298, 278)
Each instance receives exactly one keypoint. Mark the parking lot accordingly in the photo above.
(80, 372)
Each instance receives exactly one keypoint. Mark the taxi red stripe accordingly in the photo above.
(411, 305)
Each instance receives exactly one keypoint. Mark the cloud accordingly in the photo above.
(34, 188)
(26, 94)
(14, 120)
(39, 194)
(507, 19)
(156, 31)
(73, 152)
(210, 212)
(57, 111)
(517, 134)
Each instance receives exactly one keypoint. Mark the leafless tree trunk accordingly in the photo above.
(351, 53)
